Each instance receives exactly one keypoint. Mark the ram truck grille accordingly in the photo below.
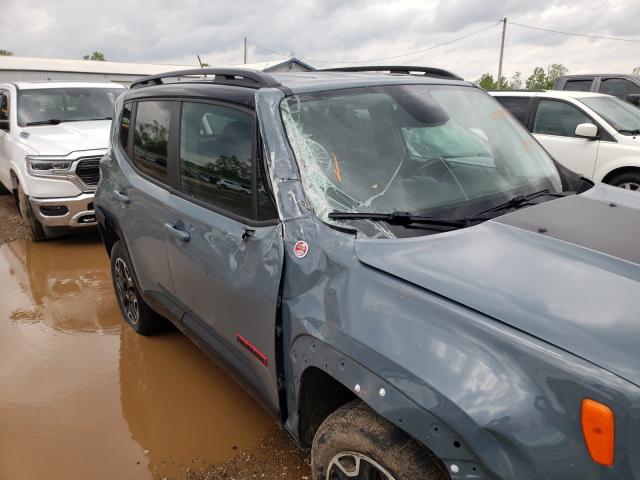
(88, 170)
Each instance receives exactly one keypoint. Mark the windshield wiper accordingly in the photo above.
(51, 121)
(520, 200)
(630, 132)
(56, 121)
(404, 218)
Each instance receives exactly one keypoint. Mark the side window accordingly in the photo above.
(216, 151)
(558, 118)
(151, 138)
(125, 123)
(4, 105)
(518, 106)
(579, 85)
(619, 87)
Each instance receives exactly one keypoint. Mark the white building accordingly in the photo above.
(25, 69)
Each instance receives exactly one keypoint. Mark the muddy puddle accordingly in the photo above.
(83, 397)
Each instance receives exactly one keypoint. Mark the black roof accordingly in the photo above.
(290, 82)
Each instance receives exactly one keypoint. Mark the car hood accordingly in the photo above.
(65, 138)
(566, 271)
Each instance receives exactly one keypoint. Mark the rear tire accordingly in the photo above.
(356, 443)
(136, 312)
(628, 181)
(36, 230)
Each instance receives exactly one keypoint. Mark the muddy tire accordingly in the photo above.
(133, 308)
(628, 181)
(355, 443)
(36, 230)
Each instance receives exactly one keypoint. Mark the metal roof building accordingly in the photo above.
(25, 69)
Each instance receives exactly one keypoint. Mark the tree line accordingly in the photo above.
(540, 79)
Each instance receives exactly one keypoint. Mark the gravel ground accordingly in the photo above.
(11, 225)
(277, 458)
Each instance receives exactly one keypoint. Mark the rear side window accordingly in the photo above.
(216, 151)
(518, 106)
(151, 138)
(125, 124)
(558, 118)
(619, 87)
(583, 85)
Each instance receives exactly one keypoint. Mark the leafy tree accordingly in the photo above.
(541, 80)
(6, 53)
(98, 56)
(636, 71)
(205, 65)
(516, 82)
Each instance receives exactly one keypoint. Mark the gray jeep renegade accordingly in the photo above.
(390, 263)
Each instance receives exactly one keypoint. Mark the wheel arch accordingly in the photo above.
(319, 368)
(619, 171)
(109, 228)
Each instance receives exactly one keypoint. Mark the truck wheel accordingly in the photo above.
(36, 230)
(628, 181)
(134, 309)
(355, 443)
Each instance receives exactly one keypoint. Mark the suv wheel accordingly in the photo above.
(355, 443)
(134, 309)
(628, 181)
(36, 230)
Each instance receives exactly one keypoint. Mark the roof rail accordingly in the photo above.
(399, 69)
(224, 76)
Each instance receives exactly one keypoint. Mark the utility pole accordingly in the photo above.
(504, 32)
(245, 50)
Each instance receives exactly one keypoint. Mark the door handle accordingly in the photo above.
(122, 197)
(177, 233)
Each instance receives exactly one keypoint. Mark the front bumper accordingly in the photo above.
(72, 212)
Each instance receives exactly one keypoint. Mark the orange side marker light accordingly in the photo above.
(599, 431)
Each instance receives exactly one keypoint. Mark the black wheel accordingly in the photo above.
(134, 309)
(628, 181)
(36, 230)
(355, 443)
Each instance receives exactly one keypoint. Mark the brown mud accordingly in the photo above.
(82, 396)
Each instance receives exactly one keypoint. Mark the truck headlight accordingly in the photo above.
(45, 166)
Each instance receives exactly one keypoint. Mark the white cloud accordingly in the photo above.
(333, 30)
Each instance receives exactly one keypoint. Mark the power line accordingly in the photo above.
(477, 42)
(433, 47)
(599, 37)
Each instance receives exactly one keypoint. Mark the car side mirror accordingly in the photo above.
(4, 125)
(634, 98)
(587, 130)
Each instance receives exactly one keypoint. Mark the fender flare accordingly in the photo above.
(387, 401)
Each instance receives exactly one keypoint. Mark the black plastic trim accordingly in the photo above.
(398, 69)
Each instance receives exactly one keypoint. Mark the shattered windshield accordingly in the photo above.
(437, 150)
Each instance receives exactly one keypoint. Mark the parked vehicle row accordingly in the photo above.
(595, 135)
(411, 284)
(624, 86)
(52, 136)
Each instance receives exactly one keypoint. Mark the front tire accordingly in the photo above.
(36, 230)
(628, 181)
(136, 312)
(355, 443)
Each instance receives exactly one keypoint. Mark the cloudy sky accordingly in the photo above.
(324, 32)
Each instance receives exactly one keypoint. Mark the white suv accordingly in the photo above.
(595, 135)
(52, 136)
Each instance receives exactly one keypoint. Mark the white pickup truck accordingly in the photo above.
(52, 136)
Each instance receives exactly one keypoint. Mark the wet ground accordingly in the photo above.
(82, 396)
